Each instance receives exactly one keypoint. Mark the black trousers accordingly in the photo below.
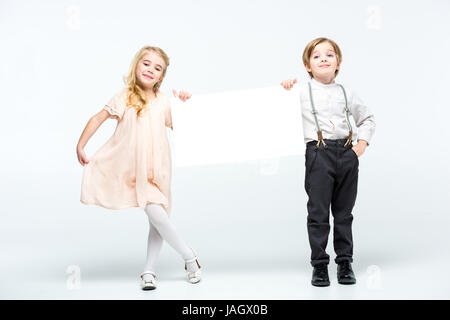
(331, 179)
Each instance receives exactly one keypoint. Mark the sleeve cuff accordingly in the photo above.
(112, 112)
(364, 137)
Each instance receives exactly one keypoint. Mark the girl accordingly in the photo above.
(133, 168)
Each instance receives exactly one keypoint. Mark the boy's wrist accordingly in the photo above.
(362, 142)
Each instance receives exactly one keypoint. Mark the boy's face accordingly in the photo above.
(323, 62)
(149, 70)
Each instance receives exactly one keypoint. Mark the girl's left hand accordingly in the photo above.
(182, 95)
(360, 147)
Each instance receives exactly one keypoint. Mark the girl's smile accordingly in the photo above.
(149, 70)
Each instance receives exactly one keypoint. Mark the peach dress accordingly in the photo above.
(133, 168)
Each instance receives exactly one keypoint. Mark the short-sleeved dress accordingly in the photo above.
(133, 168)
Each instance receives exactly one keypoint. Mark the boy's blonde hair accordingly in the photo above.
(310, 48)
(136, 97)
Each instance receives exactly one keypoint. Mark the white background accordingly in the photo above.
(60, 61)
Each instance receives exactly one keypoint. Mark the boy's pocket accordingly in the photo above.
(310, 158)
(354, 154)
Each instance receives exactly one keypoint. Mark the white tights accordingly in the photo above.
(161, 228)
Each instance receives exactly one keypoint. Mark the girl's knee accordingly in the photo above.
(155, 213)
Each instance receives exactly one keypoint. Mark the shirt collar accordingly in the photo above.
(319, 84)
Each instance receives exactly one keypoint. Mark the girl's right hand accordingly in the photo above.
(288, 84)
(82, 157)
(182, 95)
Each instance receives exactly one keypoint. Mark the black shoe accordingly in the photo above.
(345, 273)
(320, 276)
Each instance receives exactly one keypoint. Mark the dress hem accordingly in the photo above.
(123, 207)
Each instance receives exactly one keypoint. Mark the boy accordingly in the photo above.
(331, 174)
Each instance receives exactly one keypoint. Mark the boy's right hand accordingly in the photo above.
(82, 157)
(288, 84)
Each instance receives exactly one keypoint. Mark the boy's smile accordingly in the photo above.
(323, 63)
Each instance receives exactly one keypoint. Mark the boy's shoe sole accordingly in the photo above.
(347, 281)
(321, 283)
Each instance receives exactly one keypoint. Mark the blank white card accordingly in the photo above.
(237, 126)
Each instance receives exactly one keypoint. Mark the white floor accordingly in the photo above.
(251, 240)
(85, 269)
(418, 281)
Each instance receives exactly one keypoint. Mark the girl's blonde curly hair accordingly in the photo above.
(136, 97)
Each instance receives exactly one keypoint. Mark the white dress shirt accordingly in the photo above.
(329, 102)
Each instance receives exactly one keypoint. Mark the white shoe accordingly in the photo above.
(148, 284)
(193, 277)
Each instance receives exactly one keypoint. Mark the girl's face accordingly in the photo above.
(149, 70)
(323, 62)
